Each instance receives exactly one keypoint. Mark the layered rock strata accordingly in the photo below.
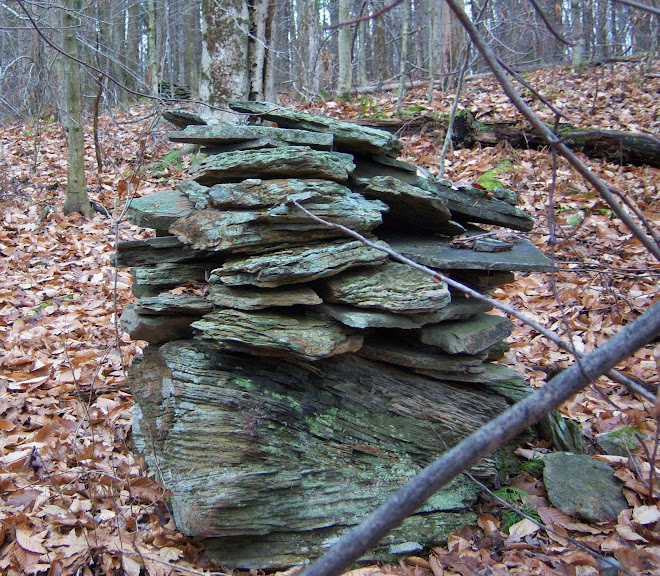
(296, 376)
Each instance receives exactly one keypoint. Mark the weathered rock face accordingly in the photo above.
(306, 375)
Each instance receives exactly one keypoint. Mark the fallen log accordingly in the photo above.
(614, 146)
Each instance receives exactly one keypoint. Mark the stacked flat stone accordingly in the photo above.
(274, 273)
(302, 351)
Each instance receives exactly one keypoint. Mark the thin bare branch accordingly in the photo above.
(552, 139)
(549, 25)
(638, 6)
(372, 16)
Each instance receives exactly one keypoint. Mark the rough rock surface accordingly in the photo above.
(583, 487)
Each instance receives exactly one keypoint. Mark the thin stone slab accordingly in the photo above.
(247, 231)
(583, 487)
(362, 319)
(410, 206)
(323, 198)
(466, 204)
(155, 329)
(474, 205)
(159, 210)
(283, 162)
(460, 308)
(266, 332)
(251, 298)
(439, 254)
(394, 287)
(197, 194)
(225, 133)
(174, 304)
(410, 354)
(471, 336)
(160, 250)
(151, 281)
(347, 136)
(296, 265)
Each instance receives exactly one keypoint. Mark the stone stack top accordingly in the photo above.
(264, 278)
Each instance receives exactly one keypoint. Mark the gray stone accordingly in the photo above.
(394, 287)
(151, 281)
(197, 194)
(323, 198)
(274, 333)
(296, 265)
(171, 304)
(471, 336)
(360, 318)
(410, 354)
(160, 250)
(411, 207)
(348, 137)
(284, 162)
(251, 298)
(460, 308)
(583, 487)
(616, 441)
(224, 133)
(159, 210)
(439, 254)
(155, 329)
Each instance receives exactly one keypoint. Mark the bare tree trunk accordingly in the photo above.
(191, 49)
(577, 9)
(153, 55)
(76, 190)
(224, 52)
(405, 27)
(345, 80)
(309, 78)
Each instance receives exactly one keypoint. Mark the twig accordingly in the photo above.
(372, 16)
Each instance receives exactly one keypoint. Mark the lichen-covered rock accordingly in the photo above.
(225, 133)
(300, 334)
(472, 336)
(284, 162)
(251, 298)
(348, 137)
(159, 210)
(296, 265)
(394, 287)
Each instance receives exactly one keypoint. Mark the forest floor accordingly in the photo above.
(74, 499)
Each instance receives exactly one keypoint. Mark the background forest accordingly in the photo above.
(74, 498)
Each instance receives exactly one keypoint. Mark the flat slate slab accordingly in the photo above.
(393, 287)
(362, 318)
(273, 333)
(159, 250)
(437, 253)
(246, 231)
(582, 487)
(296, 265)
(460, 308)
(251, 298)
(156, 329)
(149, 281)
(471, 336)
(284, 162)
(159, 210)
(225, 133)
(409, 354)
(174, 304)
(348, 137)
(411, 207)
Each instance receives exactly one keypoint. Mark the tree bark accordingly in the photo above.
(76, 191)
(345, 79)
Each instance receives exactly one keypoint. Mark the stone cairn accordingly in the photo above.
(295, 377)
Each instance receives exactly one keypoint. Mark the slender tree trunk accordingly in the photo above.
(76, 190)
(405, 28)
(309, 79)
(577, 9)
(192, 49)
(152, 74)
(345, 80)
